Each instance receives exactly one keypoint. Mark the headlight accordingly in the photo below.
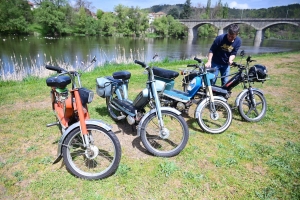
(86, 95)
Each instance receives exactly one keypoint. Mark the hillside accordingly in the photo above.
(290, 11)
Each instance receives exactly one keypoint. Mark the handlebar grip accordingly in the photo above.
(140, 63)
(54, 68)
(198, 59)
(210, 70)
(190, 65)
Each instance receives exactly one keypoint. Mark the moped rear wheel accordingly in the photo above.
(98, 161)
(217, 122)
(250, 112)
(169, 142)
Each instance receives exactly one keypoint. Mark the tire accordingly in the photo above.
(104, 164)
(170, 145)
(219, 124)
(113, 113)
(250, 113)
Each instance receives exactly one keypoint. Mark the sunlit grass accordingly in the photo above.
(248, 161)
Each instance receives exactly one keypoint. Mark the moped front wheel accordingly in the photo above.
(167, 142)
(100, 160)
(255, 110)
(214, 122)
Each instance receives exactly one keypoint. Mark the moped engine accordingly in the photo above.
(180, 106)
(62, 94)
(130, 120)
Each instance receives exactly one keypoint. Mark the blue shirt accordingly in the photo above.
(222, 49)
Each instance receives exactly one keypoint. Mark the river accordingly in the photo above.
(22, 53)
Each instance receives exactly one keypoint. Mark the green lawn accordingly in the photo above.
(248, 161)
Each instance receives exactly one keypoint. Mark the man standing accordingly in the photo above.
(223, 51)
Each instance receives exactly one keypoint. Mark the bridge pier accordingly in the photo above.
(220, 32)
(193, 33)
(258, 37)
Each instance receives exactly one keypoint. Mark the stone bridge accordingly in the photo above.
(260, 25)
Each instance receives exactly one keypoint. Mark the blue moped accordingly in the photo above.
(213, 114)
(163, 131)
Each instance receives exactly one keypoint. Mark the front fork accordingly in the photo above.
(82, 117)
(212, 100)
(251, 96)
(158, 105)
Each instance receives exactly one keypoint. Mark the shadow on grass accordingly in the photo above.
(126, 129)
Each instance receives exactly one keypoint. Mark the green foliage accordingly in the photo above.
(130, 21)
(174, 12)
(15, 16)
(207, 30)
(107, 24)
(168, 26)
(57, 17)
(85, 24)
(50, 17)
(187, 10)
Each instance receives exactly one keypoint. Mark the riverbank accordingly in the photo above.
(248, 161)
(23, 56)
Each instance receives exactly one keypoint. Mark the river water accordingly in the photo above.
(22, 53)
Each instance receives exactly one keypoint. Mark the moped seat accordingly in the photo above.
(123, 75)
(59, 82)
(165, 73)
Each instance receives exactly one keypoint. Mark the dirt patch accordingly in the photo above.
(131, 144)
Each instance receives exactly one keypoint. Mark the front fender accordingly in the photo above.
(238, 98)
(201, 104)
(139, 127)
(72, 127)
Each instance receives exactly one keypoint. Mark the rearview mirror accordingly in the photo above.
(242, 53)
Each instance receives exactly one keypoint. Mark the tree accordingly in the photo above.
(99, 14)
(130, 21)
(218, 10)
(168, 26)
(174, 12)
(225, 11)
(15, 16)
(58, 3)
(122, 17)
(85, 24)
(208, 9)
(107, 23)
(51, 18)
(82, 4)
(187, 10)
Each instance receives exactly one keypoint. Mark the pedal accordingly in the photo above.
(53, 124)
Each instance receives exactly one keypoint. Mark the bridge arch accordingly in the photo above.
(258, 24)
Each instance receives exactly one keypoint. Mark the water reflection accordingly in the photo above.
(29, 51)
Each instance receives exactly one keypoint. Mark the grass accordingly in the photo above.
(248, 161)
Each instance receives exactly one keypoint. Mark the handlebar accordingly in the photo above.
(198, 60)
(140, 63)
(55, 68)
(210, 70)
(192, 65)
(234, 64)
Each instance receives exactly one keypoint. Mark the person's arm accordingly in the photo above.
(235, 50)
(210, 55)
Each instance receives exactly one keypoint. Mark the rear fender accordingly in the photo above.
(139, 127)
(72, 127)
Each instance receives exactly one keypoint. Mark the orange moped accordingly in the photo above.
(89, 148)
